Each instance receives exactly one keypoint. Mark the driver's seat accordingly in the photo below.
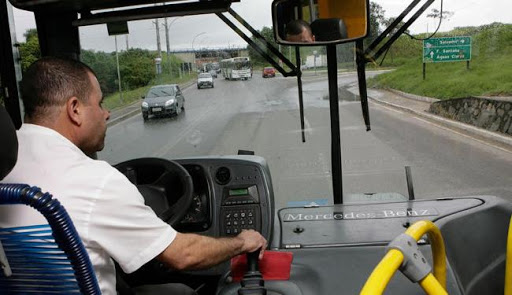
(41, 259)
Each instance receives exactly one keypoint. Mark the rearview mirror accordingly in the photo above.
(319, 22)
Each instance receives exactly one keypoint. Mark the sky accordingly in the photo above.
(208, 31)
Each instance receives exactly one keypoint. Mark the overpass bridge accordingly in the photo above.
(193, 59)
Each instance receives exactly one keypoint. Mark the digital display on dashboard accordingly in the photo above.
(238, 192)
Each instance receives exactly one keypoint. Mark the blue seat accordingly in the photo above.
(39, 259)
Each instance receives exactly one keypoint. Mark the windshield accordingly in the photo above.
(242, 65)
(205, 75)
(161, 91)
(415, 88)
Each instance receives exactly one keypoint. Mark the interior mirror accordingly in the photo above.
(117, 28)
(319, 22)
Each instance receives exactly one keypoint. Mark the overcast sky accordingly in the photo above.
(209, 31)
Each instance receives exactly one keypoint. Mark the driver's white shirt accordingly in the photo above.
(107, 210)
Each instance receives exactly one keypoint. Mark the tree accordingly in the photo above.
(441, 15)
(104, 65)
(256, 58)
(376, 20)
(137, 68)
(29, 50)
(389, 21)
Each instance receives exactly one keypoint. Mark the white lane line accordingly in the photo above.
(308, 126)
(464, 135)
(184, 132)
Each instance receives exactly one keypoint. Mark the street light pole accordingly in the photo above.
(167, 43)
(201, 49)
(193, 50)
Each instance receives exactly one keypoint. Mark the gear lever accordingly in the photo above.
(252, 283)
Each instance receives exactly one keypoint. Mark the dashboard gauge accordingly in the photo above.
(195, 212)
(197, 204)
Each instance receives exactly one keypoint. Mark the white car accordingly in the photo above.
(204, 79)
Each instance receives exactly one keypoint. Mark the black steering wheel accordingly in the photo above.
(165, 185)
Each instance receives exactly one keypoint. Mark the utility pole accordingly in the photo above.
(158, 48)
(168, 47)
(118, 72)
(127, 46)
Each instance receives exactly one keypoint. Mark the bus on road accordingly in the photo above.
(236, 68)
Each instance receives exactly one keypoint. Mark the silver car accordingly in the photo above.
(204, 80)
(163, 100)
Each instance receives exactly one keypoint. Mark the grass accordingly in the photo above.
(485, 76)
(114, 101)
(489, 73)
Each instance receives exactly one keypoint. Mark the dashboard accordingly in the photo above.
(228, 194)
(231, 193)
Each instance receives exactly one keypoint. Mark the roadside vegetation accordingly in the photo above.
(114, 100)
(489, 73)
(137, 71)
(136, 68)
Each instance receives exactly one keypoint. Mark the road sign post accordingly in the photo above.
(447, 49)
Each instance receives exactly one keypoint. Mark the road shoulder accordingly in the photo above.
(419, 106)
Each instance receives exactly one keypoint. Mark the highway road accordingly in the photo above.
(262, 115)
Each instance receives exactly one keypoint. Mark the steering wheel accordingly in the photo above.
(159, 180)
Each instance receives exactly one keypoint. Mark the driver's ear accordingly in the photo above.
(74, 110)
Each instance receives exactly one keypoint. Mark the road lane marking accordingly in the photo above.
(464, 135)
(185, 131)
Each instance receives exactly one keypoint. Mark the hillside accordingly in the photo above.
(490, 68)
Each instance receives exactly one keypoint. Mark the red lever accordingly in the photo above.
(275, 265)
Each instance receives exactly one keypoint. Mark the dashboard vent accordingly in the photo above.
(223, 175)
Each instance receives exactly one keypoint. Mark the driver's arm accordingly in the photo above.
(192, 251)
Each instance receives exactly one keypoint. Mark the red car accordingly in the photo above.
(268, 72)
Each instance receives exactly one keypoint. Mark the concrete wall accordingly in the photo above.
(493, 114)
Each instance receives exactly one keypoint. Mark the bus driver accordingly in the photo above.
(65, 122)
(299, 31)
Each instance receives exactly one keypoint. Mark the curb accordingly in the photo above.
(414, 96)
(502, 141)
(123, 117)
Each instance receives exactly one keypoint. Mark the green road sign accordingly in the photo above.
(447, 49)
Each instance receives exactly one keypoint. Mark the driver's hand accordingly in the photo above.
(252, 241)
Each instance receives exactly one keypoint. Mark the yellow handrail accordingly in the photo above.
(382, 274)
(432, 286)
(508, 264)
(384, 271)
(416, 231)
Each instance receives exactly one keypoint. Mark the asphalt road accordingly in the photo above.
(262, 115)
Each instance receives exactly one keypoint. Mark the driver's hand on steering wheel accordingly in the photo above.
(252, 241)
